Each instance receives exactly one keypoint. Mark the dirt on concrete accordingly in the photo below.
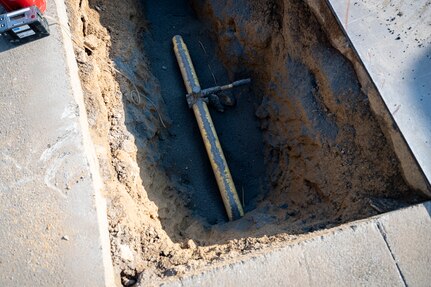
(305, 150)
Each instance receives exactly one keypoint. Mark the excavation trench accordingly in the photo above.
(184, 157)
(305, 151)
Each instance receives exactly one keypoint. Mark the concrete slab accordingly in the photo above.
(53, 227)
(352, 256)
(408, 236)
(393, 40)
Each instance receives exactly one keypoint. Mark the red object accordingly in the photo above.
(12, 5)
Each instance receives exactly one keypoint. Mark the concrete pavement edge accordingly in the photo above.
(88, 144)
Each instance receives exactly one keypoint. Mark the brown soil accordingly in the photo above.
(326, 159)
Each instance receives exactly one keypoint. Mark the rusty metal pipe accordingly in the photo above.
(215, 153)
(217, 89)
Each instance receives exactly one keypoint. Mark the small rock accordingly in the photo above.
(227, 100)
(65, 237)
(146, 276)
(81, 57)
(127, 282)
(126, 253)
(170, 272)
(164, 68)
(91, 41)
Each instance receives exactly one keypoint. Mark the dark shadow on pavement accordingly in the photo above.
(428, 207)
(6, 44)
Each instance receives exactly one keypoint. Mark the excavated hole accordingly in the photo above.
(304, 148)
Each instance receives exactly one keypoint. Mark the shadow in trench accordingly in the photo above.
(183, 159)
(184, 155)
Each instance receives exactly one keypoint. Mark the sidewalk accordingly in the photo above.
(389, 250)
(54, 227)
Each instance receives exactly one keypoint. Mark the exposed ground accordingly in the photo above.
(305, 150)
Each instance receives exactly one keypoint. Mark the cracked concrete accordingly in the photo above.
(384, 236)
(408, 236)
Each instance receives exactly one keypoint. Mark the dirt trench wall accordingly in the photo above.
(323, 143)
(409, 165)
(104, 32)
(284, 35)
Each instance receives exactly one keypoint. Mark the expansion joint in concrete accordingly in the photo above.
(382, 231)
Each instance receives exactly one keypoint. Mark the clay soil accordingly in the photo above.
(304, 148)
